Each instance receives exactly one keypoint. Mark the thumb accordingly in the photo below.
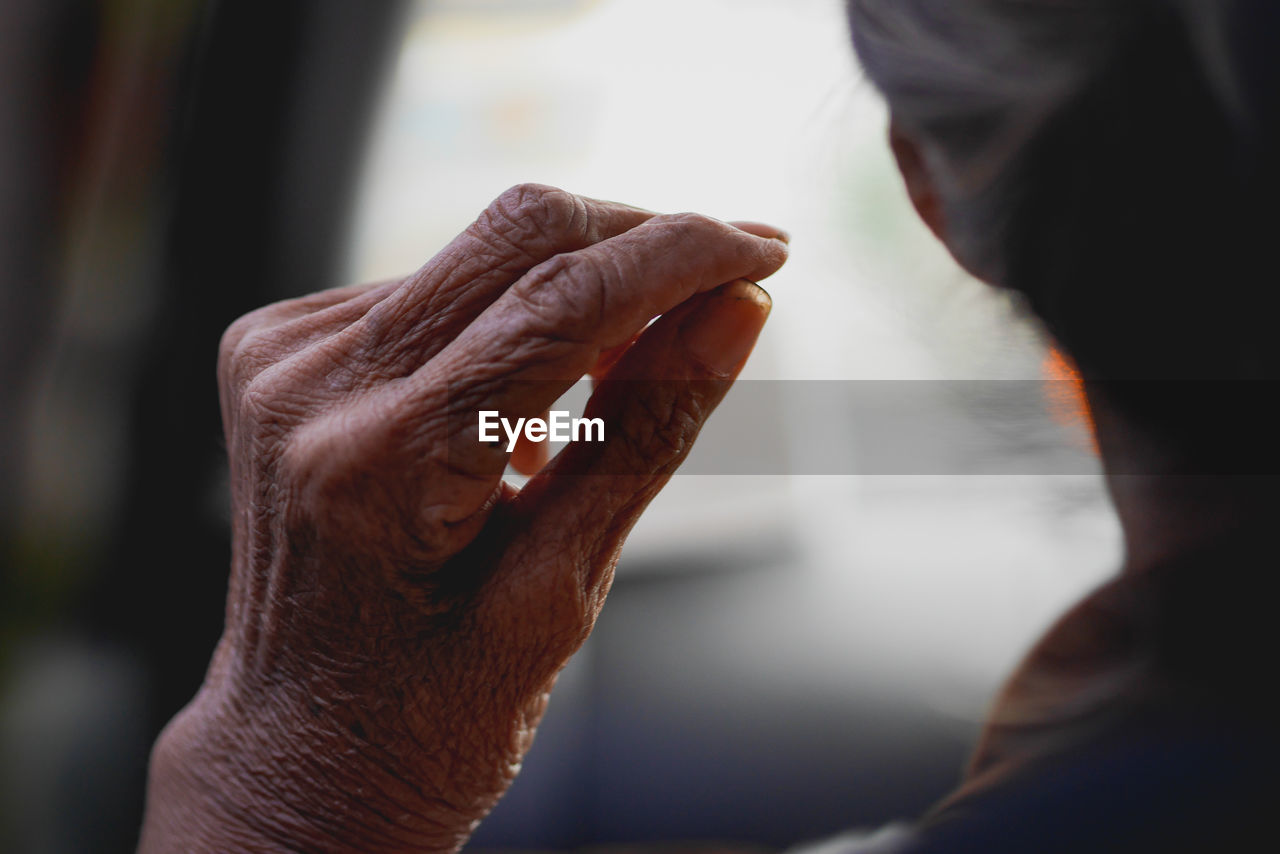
(577, 511)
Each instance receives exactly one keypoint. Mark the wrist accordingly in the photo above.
(261, 782)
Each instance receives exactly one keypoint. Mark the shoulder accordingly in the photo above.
(1167, 784)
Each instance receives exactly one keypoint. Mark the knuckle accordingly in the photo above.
(274, 406)
(550, 206)
(316, 463)
(253, 353)
(364, 463)
(234, 332)
(245, 346)
(229, 345)
(337, 471)
(566, 296)
(536, 212)
(689, 225)
(266, 407)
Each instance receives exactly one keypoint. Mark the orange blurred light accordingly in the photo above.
(1065, 398)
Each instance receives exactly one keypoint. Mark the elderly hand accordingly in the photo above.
(397, 614)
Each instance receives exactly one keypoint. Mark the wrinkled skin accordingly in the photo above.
(397, 614)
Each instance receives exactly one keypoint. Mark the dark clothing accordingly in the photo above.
(1143, 721)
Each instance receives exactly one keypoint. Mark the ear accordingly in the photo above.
(924, 193)
(915, 174)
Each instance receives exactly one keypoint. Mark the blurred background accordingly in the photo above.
(791, 648)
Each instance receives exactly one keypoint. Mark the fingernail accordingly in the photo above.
(721, 333)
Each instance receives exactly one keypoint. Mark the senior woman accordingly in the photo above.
(397, 615)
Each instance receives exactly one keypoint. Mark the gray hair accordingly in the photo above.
(975, 81)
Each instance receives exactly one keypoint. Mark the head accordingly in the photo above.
(1112, 163)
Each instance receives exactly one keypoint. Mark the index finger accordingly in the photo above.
(549, 328)
(520, 229)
